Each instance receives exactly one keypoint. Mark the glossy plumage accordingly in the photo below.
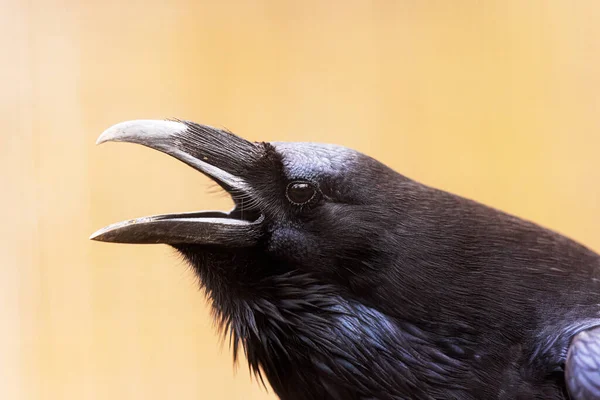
(383, 288)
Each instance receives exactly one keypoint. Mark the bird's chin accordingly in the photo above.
(217, 154)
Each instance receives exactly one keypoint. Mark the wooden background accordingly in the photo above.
(494, 100)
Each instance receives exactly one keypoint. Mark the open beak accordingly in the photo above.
(220, 155)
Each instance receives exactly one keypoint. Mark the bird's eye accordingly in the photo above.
(300, 193)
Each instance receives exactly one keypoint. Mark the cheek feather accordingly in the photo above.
(291, 244)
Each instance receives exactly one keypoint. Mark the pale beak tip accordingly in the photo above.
(139, 131)
(101, 139)
(109, 134)
(96, 235)
(114, 132)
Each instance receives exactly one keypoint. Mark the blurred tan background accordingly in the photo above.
(495, 100)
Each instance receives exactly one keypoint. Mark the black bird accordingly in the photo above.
(342, 279)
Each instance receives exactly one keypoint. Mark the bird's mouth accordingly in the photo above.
(222, 156)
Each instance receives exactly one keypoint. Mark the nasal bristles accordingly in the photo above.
(219, 147)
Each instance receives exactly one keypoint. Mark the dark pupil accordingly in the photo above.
(300, 193)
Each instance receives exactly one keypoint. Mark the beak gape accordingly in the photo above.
(218, 154)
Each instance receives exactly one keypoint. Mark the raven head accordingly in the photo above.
(304, 207)
(312, 240)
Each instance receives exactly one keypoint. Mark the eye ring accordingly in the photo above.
(300, 193)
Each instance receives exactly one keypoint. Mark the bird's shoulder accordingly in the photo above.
(582, 368)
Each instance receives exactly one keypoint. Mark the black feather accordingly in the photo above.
(384, 288)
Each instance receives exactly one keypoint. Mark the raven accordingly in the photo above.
(341, 279)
